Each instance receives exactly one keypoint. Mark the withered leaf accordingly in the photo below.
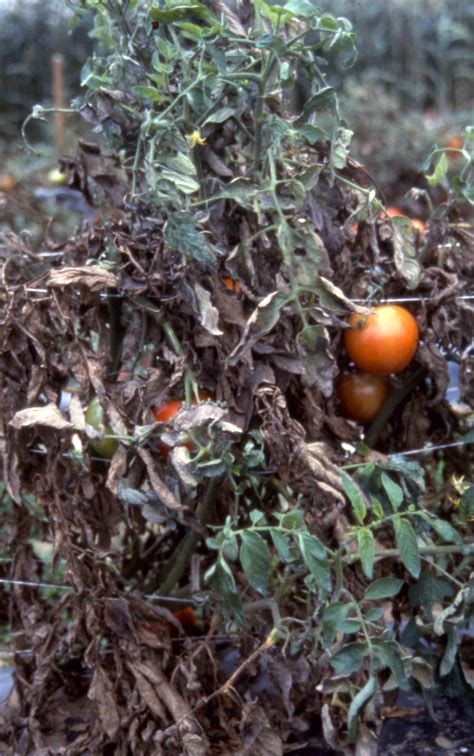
(94, 277)
(101, 691)
(182, 513)
(48, 416)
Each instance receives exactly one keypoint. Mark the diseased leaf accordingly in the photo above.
(221, 579)
(357, 704)
(182, 235)
(256, 560)
(49, 417)
(349, 658)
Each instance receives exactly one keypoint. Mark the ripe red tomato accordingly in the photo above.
(168, 412)
(361, 395)
(383, 342)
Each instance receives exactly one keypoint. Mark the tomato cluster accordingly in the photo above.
(380, 343)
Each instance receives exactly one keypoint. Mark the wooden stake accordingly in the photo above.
(57, 70)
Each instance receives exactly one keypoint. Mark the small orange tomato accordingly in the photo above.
(392, 212)
(383, 342)
(361, 395)
(186, 616)
(231, 285)
(7, 183)
(418, 225)
(455, 142)
(168, 411)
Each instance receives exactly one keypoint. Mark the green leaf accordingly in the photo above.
(366, 543)
(357, 704)
(180, 12)
(282, 545)
(221, 579)
(350, 626)
(313, 553)
(377, 508)
(321, 100)
(389, 653)
(374, 614)
(256, 560)
(449, 656)
(302, 8)
(181, 235)
(349, 658)
(383, 588)
(181, 163)
(407, 544)
(428, 590)
(149, 93)
(293, 520)
(333, 615)
(445, 530)
(219, 116)
(393, 491)
(439, 173)
(185, 184)
(356, 497)
(340, 148)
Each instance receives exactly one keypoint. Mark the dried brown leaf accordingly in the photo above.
(94, 278)
(49, 416)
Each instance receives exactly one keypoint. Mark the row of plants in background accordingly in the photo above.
(228, 178)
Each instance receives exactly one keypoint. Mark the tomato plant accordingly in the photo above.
(361, 395)
(383, 342)
(104, 447)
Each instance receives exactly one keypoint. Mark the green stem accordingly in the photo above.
(188, 545)
(392, 402)
(467, 549)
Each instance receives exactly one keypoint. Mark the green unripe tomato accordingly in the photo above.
(56, 177)
(104, 447)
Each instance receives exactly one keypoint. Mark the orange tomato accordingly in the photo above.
(394, 212)
(167, 412)
(231, 285)
(187, 618)
(361, 395)
(383, 342)
(455, 142)
(7, 183)
(418, 225)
